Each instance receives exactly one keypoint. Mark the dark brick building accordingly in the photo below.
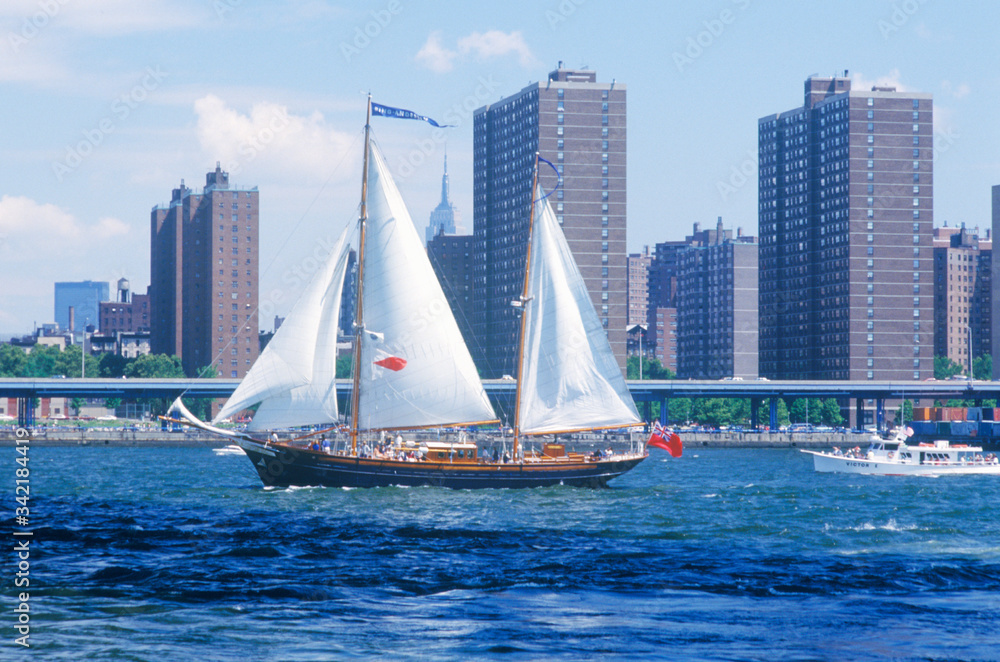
(204, 276)
(845, 216)
(578, 124)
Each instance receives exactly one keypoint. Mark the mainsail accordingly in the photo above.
(415, 369)
(294, 377)
(570, 379)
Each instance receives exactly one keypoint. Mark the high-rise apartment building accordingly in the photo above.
(445, 217)
(451, 258)
(962, 293)
(638, 286)
(204, 276)
(717, 306)
(578, 124)
(84, 298)
(661, 315)
(845, 216)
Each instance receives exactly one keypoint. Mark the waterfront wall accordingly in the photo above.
(188, 437)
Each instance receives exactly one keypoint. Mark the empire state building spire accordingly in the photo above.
(445, 217)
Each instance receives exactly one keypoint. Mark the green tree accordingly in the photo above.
(904, 413)
(76, 404)
(651, 369)
(112, 403)
(111, 365)
(152, 366)
(345, 364)
(982, 367)
(42, 361)
(830, 413)
(781, 413)
(13, 361)
(68, 363)
(945, 368)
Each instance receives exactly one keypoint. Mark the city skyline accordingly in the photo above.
(95, 90)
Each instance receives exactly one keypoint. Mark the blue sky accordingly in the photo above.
(108, 104)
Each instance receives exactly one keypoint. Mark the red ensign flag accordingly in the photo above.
(665, 439)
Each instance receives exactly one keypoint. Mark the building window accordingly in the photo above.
(871, 139)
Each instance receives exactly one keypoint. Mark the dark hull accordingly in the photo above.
(283, 466)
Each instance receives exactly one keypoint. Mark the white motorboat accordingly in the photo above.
(895, 457)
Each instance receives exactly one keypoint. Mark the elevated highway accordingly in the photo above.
(502, 391)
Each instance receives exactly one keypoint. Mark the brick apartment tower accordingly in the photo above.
(579, 125)
(962, 293)
(717, 305)
(845, 216)
(204, 277)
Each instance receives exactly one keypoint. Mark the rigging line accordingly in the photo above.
(288, 236)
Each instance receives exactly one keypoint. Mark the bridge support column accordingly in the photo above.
(25, 413)
(754, 405)
(664, 410)
(772, 414)
(859, 410)
(880, 414)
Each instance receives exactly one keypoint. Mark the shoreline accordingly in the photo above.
(154, 438)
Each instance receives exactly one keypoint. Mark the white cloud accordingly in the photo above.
(25, 220)
(494, 43)
(860, 82)
(27, 17)
(270, 143)
(479, 45)
(959, 91)
(434, 56)
(41, 243)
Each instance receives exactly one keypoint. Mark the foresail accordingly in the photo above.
(294, 377)
(415, 369)
(570, 379)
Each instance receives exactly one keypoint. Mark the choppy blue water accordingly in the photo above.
(180, 554)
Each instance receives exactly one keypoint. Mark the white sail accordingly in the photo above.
(569, 377)
(294, 377)
(415, 368)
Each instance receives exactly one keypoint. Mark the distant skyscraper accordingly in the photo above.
(962, 293)
(578, 124)
(204, 276)
(717, 306)
(85, 299)
(445, 217)
(846, 209)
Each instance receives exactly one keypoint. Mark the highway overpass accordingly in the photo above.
(645, 391)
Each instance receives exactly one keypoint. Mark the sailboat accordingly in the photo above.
(413, 370)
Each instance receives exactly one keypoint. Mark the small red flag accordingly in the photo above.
(392, 363)
(665, 439)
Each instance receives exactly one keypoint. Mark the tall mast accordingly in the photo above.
(359, 303)
(524, 313)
